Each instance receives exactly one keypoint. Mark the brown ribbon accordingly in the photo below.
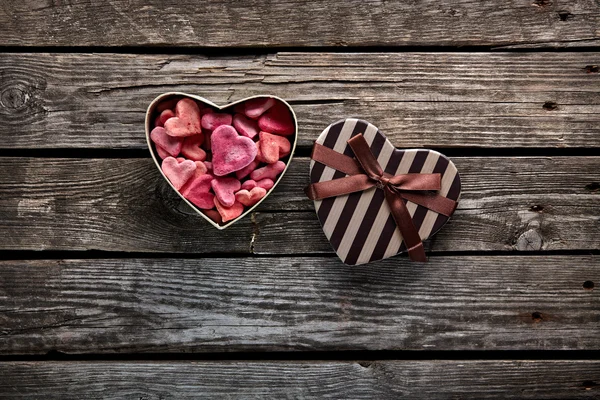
(365, 172)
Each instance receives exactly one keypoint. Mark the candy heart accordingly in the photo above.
(359, 225)
(273, 147)
(199, 173)
(213, 215)
(245, 126)
(269, 171)
(191, 148)
(167, 104)
(231, 152)
(178, 173)
(257, 107)
(198, 192)
(277, 120)
(225, 189)
(249, 198)
(187, 119)
(265, 183)
(229, 213)
(212, 121)
(259, 156)
(169, 144)
(162, 153)
(249, 184)
(163, 117)
(244, 172)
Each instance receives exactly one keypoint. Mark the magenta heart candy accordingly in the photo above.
(278, 120)
(191, 148)
(225, 189)
(170, 144)
(212, 121)
(178, 173)
(187, 119)
(257, 107)
(231, 152)
(245, 126)
(269, 171)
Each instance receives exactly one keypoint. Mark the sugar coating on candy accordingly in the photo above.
(163, 117)
(273, 147)
(248, 185)
(229, 213)
(269, 171)
(278, 120)
(244, 172)
(162, 153)
(200, 173)
(213, 120)
(245, 126)
(178, 173)
(170, 144)
(231, 152)
(186, 121)
(257, 107)
(213, 214)
(250, 197)
(265, 183)
(225, 189)
(191, 148)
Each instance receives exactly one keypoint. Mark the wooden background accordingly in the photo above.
(111, 288)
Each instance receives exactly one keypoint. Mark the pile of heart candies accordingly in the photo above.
(221, 161)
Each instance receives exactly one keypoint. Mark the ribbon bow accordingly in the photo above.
(365, 173)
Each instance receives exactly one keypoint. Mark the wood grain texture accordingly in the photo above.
(416, 99)
(523, 203)
(302, 380)
(299, 303)
(259, 23)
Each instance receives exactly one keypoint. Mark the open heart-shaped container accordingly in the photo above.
(152, 113)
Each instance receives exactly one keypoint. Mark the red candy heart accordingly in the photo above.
(250, 198)
(257, 107)
(178, 173)
(169, 144)
(245, 126)
(229, 213)
(270, 171)
(212, 120)
(191, 148)
(273, 147)
(200, 173)
(198, 192)
(187, 119)
(225, 189)
(163, 117)
(277, 120)
(231, 152)
(213, 214)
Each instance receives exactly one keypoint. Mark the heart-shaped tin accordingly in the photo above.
(359, 225)
(156, 107)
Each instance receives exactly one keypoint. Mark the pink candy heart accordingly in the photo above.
(270, 171)
(163, 117)
(244, 172)
(231, 152)
(265, 183)
(245, 126)
(178, 173)
(198, 192)
(225, 189)
(229, 213)
(200, 172)
(212, 120)
(277, 120)
(191, 148)
(250, 198)
(256, 107)
(273, 147)
(187, 119)
(169, 144)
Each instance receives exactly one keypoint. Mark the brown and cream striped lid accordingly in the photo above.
(360, 226)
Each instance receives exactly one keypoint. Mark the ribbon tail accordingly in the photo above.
(338, 187)
(409, 232)
(434, 202)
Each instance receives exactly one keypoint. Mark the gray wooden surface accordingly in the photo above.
(111, 288)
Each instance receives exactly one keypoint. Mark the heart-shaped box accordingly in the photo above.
(152, 113)
(360, 225)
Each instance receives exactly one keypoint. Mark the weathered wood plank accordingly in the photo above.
(257, 23)
(305, 380)
(528, 203)
(284, 303)
(417, 99)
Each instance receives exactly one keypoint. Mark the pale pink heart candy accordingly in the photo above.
(186, 121)
(273, 147)
(244, 172)
(198, 192)
(245, 126)
(257, 107)
(250, 198)
(163, 117)
(231, 152)
(265, 183)
(170, 144)
(278, 120)
(269, 171)
(200, 172)
(249, 184)
(178, 173)
(162, 153)
(225, 189)
(212, 120)
(191, 148)
(229, 213)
